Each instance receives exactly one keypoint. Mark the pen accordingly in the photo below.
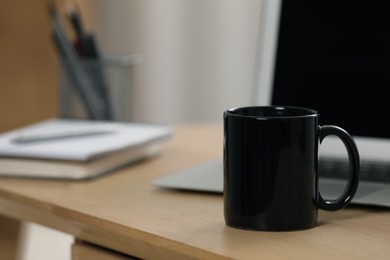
(93, 99)
(87, 48)
(81, 44)
(58, 136)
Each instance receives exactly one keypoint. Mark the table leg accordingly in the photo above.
(10, 238)
(86, 251)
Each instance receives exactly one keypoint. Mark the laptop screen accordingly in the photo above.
(334, 57)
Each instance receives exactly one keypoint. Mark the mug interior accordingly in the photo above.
(272, 111)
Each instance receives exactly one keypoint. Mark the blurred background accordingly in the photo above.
(197, 60)
(197, 56)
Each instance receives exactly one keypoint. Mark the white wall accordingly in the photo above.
(198, 56)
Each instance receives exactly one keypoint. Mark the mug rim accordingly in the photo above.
(303, 112)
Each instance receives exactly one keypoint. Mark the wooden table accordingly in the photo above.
(124, 214)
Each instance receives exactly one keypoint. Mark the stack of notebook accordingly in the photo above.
(77, 149)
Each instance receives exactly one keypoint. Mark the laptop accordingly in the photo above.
(310, 55)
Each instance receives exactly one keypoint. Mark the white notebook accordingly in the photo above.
(77, 149)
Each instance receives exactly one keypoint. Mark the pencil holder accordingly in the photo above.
(97, 89)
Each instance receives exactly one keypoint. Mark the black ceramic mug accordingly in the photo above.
(270, 168)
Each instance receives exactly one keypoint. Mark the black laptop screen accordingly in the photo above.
(333, 56)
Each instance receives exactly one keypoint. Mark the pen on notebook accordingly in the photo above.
(30, 138)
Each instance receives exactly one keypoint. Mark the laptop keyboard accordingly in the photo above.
(369, 171)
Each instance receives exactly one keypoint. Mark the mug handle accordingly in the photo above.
(354, 166)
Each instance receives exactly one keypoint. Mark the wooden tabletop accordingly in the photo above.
(125, 212)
